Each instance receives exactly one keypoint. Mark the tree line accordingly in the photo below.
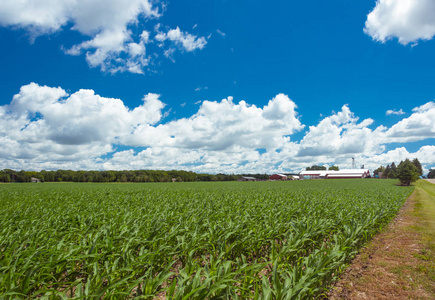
(321, 168)
(407, 171)
(9, 175)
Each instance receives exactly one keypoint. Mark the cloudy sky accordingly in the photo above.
(216, 86)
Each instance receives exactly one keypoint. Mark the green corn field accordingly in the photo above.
(229, 240)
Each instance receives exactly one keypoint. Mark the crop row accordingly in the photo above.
(264, 240)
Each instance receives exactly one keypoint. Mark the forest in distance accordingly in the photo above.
(9, 175)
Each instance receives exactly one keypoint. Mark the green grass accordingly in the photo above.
(253, 240)
(425, 211)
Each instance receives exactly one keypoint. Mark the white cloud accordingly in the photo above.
(112, 45)
(425, 107)
(223, 34)
(201, 88)
(424, 155)
(407, 20)
(340, 134)
(47, 17)
(44, 123)
(225, 126)
(419, 126)
(135, 49)
(395, 112)
(184, 40)
(46, 128)
(145, 36)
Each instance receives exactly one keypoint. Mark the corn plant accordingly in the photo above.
(260, 240)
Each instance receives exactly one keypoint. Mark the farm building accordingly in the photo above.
(278, 177)
(313, 174)
(246, 178)
(35, 180)
(342, 174)
(352, 173)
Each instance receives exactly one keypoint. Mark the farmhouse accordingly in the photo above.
(278, 177)
(342, 174)
(35, 180)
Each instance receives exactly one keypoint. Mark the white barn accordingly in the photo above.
(331, 174)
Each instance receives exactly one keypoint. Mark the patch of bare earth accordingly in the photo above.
(386, 268)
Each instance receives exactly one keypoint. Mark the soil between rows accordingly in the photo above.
(387, 267)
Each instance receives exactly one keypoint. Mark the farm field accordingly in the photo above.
(229, 240)
(399, 262)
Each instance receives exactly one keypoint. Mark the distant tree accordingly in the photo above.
(386, 172)
(123, 178)
(407, 172)
(381, 169)
(22, 176)
(393, 167)
(418, 165)
(8, 175)
(431, 174)
(5, 177)
(392, 174)
(315, 168)
(333, 168)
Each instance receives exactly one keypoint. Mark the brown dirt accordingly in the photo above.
(386, 268)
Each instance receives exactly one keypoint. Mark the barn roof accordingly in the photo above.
(333, 172)
(344, 175)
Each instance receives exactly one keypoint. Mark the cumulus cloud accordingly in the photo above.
(424, 155)
(226, 125)
(339, 134)
(394, 112)
(406, 20)
(45, 123)
(185, 41)
(425, 107)
(112, 45)
(47, 128)
(419, 126)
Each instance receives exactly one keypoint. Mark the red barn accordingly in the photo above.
(277, 177)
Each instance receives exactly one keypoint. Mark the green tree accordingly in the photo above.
(418, 165)
(393, 167)
(381, 169)
(316, 168)
(334, 168)
(392, 174)
(4, 177)
(22, 176)
(123, 178)
(431, 174)
(386, 172)
(407, 172)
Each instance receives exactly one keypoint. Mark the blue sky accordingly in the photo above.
(216, 86)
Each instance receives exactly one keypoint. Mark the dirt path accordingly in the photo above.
(395, 264)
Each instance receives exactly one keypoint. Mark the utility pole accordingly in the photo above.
(353, 163)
